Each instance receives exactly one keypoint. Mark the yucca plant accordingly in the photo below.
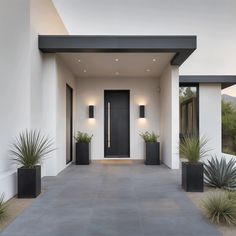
(30, 147)
(149, 136)
(3, 208)
(83, 137)
(193, 148)
(220, 173)
(220, 208)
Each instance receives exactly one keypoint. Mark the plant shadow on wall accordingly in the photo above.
(29, 149)
(193, 149)
(220, 206)
(152, 148)
(83, 148)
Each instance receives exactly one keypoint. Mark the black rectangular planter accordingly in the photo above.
(192, 177)
(29, 182)
(82, 153)
(152, 153)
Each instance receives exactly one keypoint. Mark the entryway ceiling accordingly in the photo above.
(117, 64)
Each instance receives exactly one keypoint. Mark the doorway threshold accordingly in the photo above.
(118, 161)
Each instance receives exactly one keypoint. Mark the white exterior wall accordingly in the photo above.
(143, 91)
(210, 115)
(48, 76)
(15, 83)
(32, 83)
(169, 84)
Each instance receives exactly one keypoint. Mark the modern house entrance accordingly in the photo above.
(117, 75)
(116, 118)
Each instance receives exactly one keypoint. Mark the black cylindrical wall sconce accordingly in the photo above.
(141, 111)
(91, 111)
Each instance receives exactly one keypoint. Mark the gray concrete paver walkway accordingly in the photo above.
(112, 200)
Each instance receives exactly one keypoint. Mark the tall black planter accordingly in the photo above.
(152, 153)
(192, 177)
(29, 182)
(82, 153)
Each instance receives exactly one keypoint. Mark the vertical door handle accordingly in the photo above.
(108, 125)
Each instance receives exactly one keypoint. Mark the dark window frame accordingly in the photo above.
(196, 85)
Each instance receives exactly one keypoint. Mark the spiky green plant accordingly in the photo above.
(3, 208)
(149, 137)
(30, 147)
(220, 208)
(192, 148)
(220, 174)
(83, 137)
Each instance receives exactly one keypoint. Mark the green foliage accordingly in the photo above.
(3, 208)
(220, 208)
(228, 150)
(192, 148)
(229, 128)
(185, 93)
(220, 174)
(83, 137)
(149, 137)
(30, 147)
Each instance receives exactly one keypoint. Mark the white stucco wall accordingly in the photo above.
(210, 115)
(142, 91)
(46, 76)
(169, 84)
(15, 83)
(28, 81)
(43, 20)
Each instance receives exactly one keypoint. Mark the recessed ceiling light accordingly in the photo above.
(148, 70)
(117, 59)
(154, 59)
(117, 73)
(85, 71)
(79, 60)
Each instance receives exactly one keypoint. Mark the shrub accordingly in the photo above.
(220, 174)
(83, 137)
(192, 148)
(30, 147)
(3, 208)
(149, 137)
(220, 208)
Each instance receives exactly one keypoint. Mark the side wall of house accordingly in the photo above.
(15, 83)
(210, 115)
(32, 84)
(169, 85)
(143, 91)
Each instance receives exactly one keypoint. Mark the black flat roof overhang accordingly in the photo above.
(224, 80)
(182, 46)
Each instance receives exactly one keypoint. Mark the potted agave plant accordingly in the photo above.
(193, 149)
(152, 148)
(83, 153)
(29, 148)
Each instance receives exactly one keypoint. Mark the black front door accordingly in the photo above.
(116, 123)
(69, 123)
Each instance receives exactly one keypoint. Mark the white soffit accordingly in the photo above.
(117, 64)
